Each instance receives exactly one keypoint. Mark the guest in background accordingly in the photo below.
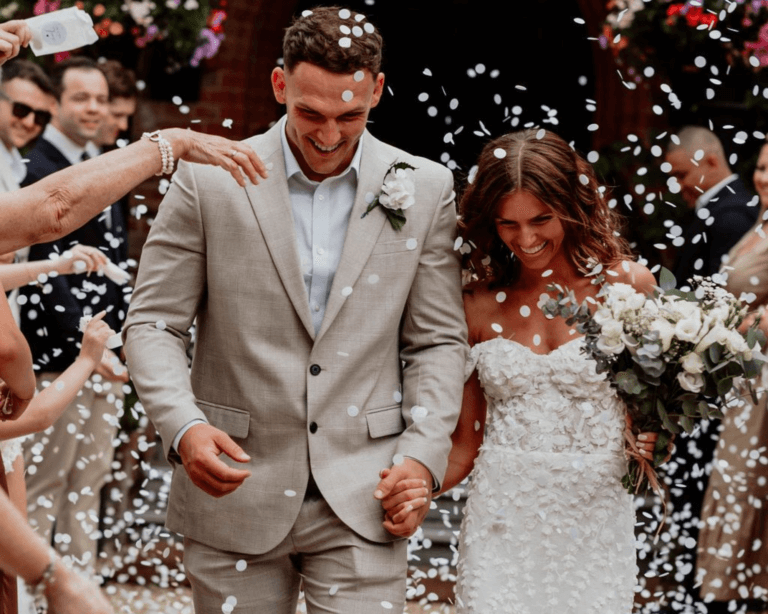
(731, 551)
(76, 456)
(722, 209)
(26, 98)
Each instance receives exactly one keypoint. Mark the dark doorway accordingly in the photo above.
(479, 64)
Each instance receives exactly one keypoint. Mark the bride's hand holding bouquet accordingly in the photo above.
(670, 356)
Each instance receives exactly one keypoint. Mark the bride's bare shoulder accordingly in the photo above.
(634, 274)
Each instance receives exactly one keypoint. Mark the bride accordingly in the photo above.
(547, 526)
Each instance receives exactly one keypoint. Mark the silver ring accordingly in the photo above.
(233, 153)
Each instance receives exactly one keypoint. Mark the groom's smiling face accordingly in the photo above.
(327, 114)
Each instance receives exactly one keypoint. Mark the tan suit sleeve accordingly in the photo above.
(170, 284)
(433, 345)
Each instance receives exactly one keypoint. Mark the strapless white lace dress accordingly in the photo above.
(547, 526)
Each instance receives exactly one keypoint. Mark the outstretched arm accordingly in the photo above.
(58, 204)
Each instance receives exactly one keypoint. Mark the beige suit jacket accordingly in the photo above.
(228, 257)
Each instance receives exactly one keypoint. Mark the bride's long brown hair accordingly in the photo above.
(542, 164)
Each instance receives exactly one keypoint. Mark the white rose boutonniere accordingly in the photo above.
(397, 194)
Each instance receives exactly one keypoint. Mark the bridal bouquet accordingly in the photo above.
(669, 355)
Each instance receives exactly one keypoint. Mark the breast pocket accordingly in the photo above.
(400, 246)
(385, 421)
(234, 422)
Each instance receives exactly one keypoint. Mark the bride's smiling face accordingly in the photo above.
(530, 229)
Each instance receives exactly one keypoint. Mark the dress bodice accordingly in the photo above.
(553, 402)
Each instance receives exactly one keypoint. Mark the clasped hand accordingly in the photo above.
(405, 494)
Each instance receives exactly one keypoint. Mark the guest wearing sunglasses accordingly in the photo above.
(26, 98)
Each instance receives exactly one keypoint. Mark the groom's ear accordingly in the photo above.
(278, 84)
(378, 89)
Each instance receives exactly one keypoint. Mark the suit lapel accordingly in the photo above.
(362, 233)
(271, 204)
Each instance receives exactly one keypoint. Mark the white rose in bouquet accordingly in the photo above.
(398, 190)
(666, 332)
(719, 314)
(620, 292)
(717, 334)
(692, 363)
(735, 343)
(635, 301)
(688, 328)
(692, 382)
(611, 329)
(602, 315)
(651, 307)
(610, 345)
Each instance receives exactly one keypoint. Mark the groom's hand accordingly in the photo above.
(399, 481)
(200, 448)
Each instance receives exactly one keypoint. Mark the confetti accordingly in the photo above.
(525, 311)
(345, 42)
(333, 590)
(411, 244)
(497, 327)
(547, 273)
(347, 95)
(373, 279)
(398, 459)
(537, 340)
(241, 565)
(501, 297)
(345, 14)
(359, 76)
(346, 291)
(397, 395)
(290, 493)
(352, 411)
(500, 153)
(369, 28)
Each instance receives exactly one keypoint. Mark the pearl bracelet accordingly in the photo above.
(38, 588)
(166, 151)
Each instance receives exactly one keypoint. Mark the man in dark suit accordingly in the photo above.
(67, 467)
(722, 210)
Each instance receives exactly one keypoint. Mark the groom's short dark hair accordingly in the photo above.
(335, 39)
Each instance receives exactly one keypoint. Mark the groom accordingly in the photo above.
(329, 345)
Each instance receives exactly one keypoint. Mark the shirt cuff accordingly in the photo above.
(181, 433)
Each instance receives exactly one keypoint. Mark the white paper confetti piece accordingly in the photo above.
(500, 153)
(359, 76)
(398, 396)
(398, 459)
(525, 311)
(333, 590)
(241, 565)
(419, 413)
(346, 291)
(458, 243)
(369, 197)
(345, 29)
(501, 297)
(497, 327)
(306, 13)
(345, 14)
(411, 243)
(160, 325)
(373, 279)
(369, 28)
(357, 31)
(477, 425)
(547, 273)
(347, 95)
(352, 411)
(537, 340)
(290, 493)
(345, 42)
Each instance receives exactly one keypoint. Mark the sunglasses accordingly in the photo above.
(21, 111)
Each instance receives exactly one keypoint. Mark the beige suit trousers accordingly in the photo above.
(67, 465)
(339, 571)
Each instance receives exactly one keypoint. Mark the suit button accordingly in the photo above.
(315, 369)
(313, 428)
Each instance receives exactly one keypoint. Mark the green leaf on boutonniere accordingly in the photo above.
(399, 189)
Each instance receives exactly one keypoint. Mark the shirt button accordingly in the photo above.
(315, 369)
(320, 251)
(321, 197)
(313, 428)
(317, 307)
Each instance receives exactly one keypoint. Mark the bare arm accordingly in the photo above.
(23, 553)
(468, 434)
(15, 361)
(80, 259)
(56, 205)
(48, 406)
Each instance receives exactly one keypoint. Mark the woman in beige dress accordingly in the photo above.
(731, 558)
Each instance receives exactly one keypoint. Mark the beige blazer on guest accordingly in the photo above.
(228, 257)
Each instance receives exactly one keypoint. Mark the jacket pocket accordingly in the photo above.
(385, 421)
(393, 247)
(234, 422)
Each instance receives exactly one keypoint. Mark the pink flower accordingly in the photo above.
(43, 6)
(760, 47)
(208, 48)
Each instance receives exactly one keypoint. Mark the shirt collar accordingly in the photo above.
(702, 200)
(292, 164)
(12, 158)
(68, 148)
